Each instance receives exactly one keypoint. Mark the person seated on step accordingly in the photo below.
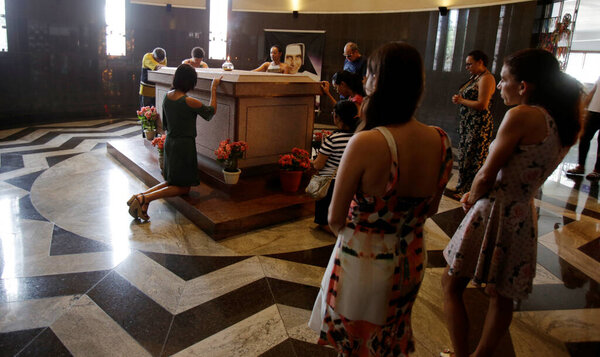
(179, 114)
(345, 117)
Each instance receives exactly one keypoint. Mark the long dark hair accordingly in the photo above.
(555, 91)
(348, 114)
(352, 80)
(400, 81)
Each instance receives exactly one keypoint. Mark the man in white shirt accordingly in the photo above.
(591, 126)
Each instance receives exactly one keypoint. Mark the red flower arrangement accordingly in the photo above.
(320, 135)
(298, 160)
(159, 142)
(229, 152)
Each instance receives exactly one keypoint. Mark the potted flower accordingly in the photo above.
(318, 137)
(148, 116)
(291, 167)
(159, 142)
(228, 153)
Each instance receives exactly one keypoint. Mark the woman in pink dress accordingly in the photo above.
(390, 180)
(496, 243)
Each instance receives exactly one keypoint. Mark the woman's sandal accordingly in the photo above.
(446, 353)
(133, 207)
(130, 201)
(141, 212)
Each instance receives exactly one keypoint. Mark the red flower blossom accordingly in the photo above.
(298, 160)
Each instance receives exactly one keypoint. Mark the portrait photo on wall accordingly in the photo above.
(303, 50)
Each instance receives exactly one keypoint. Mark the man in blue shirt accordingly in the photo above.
(354, 61)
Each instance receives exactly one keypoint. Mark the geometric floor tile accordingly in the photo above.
(12, 342)
(25, 181)
(317, 256)
(65, 242)
(142, 318)
(592, 249)
(28, 211)
(449, 220)
(190, 267)
(53, 160)
(38, 287)
(196, 324)
(46, 344)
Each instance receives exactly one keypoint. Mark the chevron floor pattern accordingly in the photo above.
(79, 277)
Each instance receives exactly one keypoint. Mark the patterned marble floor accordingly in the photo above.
(79, 277)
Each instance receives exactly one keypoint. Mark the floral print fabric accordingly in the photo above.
(496, 243)
(375, 271)
(475, 131)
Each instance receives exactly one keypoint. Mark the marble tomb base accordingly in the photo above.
(218, 209)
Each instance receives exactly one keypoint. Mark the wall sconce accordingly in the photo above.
(443, 10)
(295, 14)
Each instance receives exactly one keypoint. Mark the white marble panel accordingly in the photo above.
(543, 276)
(153, 280)
(249, 337)
(8, 132)
(292, 271)
(30, 314)
(435, 237)
(65, 264)
(11, 193)
(578, 325)
(447, 204)
(86, 330)
(295, 321)
(86, 195)
(220, 282)
(281, 238)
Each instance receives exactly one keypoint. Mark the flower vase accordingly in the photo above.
(150, 134)
(161, 160)
(290, 180)
(231, 178)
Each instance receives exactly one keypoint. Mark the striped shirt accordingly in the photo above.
(333, 146)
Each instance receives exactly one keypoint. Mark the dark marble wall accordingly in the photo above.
(56, 68)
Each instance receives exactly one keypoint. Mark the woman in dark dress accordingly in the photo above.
(179, 123)
(476, 123)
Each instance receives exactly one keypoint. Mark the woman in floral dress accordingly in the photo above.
(389, 181)
(495, 245)
(476, 124)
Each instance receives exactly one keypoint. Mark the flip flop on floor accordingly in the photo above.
(577, 170)
(593, 176)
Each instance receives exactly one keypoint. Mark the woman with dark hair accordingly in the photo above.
(197, 60)
(496, 243)
(390, 180)
(476, 123)
(345, 118)
(276, 65)
(348, 85)
(179, 114)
